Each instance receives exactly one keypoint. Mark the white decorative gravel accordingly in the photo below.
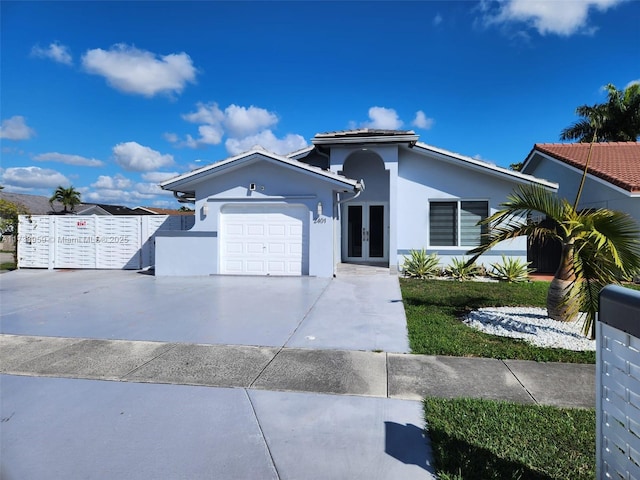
(532, 325)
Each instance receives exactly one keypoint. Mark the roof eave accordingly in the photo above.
(363, 140)
(490, 168)
(184, 182)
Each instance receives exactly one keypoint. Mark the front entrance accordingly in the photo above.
(365, 232)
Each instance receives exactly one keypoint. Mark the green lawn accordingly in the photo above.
(434, 309)
(484, 440)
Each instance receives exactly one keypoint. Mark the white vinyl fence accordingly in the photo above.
(102, 242)
(618, 384)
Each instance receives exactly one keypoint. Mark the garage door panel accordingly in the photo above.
(255, 267)
(264, 240)
(255, 248)
(277, 267)
(277, 248)
(277, 229)
(235, 229)
(235, 247)
(233, 266)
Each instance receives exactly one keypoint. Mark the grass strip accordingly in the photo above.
(434, 309)
(487, 440)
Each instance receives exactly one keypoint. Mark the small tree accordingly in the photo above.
(599, 247)
(68, 197)
(9, 213)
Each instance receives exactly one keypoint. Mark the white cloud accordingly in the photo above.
(122, 190)
(157, 177)
(131, 70)
(135, 157)
(106, 182)
(208, 114)
(170, 137)
(242, 121)
(437, 20)
(150, 189)
(383, 118)
(267, 140)
(55, 51)
(562, 18)
(209, 135)
(15, 128)
(422, 121)
(68, 159)
(236, 121)
(632, 82)
(33, 177)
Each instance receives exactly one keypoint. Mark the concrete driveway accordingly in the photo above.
(63, 428)
(351, 312)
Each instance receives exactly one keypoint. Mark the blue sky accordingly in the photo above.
(114, 97)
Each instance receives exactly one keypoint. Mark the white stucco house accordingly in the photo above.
(355, 196)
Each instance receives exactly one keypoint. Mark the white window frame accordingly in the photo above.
(458, 202)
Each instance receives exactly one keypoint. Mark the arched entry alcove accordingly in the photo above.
(365, 220)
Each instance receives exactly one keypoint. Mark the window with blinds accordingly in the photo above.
(453, 224)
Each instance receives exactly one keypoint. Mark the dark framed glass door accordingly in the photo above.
(365, 237)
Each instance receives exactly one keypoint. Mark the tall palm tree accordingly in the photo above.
(616, 120)
(599, 247)
(68, 197)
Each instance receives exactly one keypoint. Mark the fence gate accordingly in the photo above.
(104, 242)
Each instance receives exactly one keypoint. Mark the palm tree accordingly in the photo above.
(599, 247)
(616, 120)
(68, 197)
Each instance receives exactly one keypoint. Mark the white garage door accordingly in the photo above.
(264, 240)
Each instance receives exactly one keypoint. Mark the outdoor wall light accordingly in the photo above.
(319, 209)
(205, 210)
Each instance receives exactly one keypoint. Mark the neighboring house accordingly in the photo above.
(161, 211)
(34, 204)
(613, 181)
(40, 205)
(613, 178)
(106, 209)
(355, 196)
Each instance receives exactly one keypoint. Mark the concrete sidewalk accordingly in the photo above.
(175, 410)
(342, 372)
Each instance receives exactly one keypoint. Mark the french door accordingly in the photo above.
(365, 234)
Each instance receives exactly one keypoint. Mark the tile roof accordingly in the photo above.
(365, 132)
(165, 211)
(35, 204)
(616, 162)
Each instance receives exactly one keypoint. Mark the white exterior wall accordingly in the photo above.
(185, 253)
(275, 185)
(421, 179)
(596, 193)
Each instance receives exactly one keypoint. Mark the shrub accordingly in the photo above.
(460, 271)
(421, 265)
(511, 270)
